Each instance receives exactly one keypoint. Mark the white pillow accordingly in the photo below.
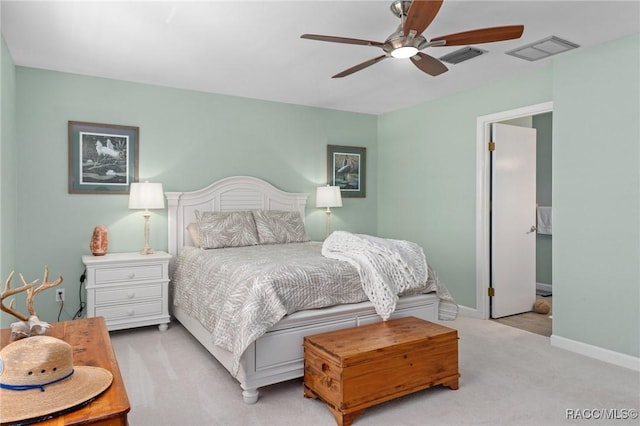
(193, 233)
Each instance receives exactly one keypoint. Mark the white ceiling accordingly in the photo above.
(253, 48)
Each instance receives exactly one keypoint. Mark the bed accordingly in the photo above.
(276, 355)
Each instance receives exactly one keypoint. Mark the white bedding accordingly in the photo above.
(238, 293)
(388, 268)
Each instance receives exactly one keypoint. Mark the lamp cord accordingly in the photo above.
(78, 314)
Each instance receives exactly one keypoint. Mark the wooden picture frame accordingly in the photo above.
(347, 169)
(103, 158)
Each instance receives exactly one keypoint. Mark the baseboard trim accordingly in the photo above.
(606, 355)
(468, 312)
(544, 287)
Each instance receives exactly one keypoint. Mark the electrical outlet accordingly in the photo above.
(60, 295)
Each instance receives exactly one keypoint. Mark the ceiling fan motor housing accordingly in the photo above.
(398, 39)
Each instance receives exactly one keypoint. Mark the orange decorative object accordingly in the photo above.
(99, 241)
(542, 307)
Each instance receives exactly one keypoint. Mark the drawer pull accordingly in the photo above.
(131, 295)
(131, 312)
(132, 275)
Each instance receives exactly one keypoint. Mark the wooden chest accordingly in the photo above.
(354, 368)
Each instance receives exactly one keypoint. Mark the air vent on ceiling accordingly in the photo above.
(462, 55)
(542, 48)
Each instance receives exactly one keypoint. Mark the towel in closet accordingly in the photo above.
(544, 220)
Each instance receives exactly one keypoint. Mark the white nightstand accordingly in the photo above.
(128, 289)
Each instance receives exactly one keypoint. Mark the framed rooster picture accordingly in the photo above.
(103, 158)
(346, 168)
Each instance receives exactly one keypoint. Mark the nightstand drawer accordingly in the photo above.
(129, 311)
(130, 273)
(130, 293)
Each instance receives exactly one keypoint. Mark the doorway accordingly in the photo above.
(513, 218)
(483, 190)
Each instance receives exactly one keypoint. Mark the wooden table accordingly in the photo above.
(91, 346)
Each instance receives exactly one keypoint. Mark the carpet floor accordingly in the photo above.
(508, 377)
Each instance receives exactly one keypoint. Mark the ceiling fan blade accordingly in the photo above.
(359, 67)
(428, 64)
(345, 40)
(484, 35)
(421, 14)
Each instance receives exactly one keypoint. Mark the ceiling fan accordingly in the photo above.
(407, 41)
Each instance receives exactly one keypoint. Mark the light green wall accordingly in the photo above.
(8, 170)
(187, 140)
(543, 123)
(596, 196)
(428, 174)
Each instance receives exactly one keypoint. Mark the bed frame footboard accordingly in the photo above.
(277, 356)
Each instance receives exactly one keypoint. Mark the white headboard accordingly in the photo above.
(228, 194)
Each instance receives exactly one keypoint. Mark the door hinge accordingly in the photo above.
(492, 146)
(491, 291)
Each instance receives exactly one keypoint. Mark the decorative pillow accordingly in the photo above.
(277, 227)
(193, 233)
(226, 229)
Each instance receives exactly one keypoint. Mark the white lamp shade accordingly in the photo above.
(146, 195)
(328, 196)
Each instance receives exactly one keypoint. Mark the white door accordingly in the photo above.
(513, 220)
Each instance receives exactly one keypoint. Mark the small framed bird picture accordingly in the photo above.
(103, 158)
(346, 168)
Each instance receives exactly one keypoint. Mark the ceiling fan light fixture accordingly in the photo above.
(404, 52)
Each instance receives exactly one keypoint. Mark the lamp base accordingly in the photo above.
(147, 250)
(328, 230)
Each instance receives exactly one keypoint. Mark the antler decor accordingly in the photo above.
(8, 291)
(28, 325)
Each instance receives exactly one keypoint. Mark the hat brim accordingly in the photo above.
(59, 398)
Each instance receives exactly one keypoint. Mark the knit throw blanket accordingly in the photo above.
(388, 268)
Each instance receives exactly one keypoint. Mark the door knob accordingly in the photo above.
(532, 229)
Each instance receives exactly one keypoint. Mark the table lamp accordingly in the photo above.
(146, 195)
(328, 196)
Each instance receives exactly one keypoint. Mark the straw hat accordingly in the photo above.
(38, 378)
